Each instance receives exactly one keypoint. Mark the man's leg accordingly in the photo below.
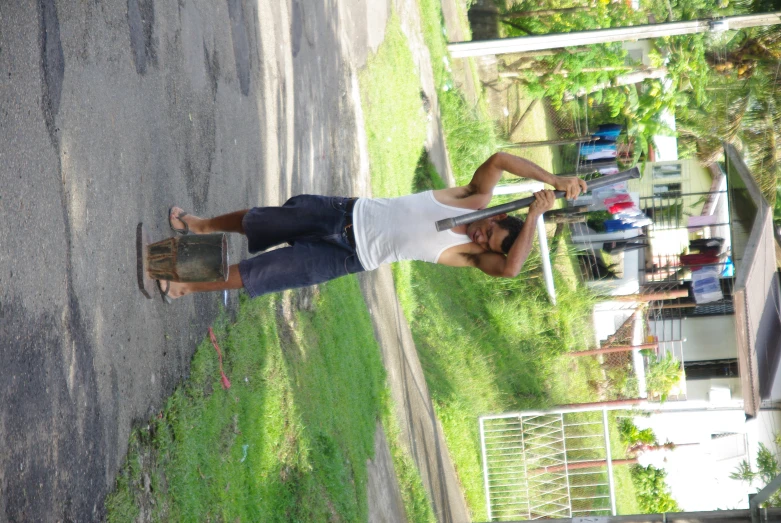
(225, 223)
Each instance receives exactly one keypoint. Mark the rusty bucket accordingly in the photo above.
(189, 258)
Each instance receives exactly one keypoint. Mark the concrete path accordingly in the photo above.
(421, 431)
(110, 112)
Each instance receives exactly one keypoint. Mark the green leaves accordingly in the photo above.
(662, 375)
(766, 470)
(653, 494)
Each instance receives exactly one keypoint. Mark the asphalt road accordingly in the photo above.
(110, 112)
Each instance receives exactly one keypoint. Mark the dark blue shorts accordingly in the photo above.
(318, 251)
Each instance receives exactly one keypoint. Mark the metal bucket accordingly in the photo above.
(189, 258)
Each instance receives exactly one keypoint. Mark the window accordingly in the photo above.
(667, 189)
(727, 445)
(667, 171)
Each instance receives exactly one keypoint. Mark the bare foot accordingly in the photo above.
(177, 289)
(171, 290)
(182, 222)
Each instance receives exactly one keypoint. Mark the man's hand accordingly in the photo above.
(571, 185)
(543, 201)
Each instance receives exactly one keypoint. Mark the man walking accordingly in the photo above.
(330, 237)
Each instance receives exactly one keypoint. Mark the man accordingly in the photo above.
(330, 237)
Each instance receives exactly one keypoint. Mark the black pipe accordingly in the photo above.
(599, 183)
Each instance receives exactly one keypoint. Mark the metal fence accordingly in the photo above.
(549, 464)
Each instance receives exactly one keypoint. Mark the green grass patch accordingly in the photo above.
(470, 135)
(288, 441)
(486, 346)
(393, 113)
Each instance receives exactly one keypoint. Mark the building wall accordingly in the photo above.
(698, 470)
(687, 176)
(709, 338)
(705, 390)
(711, 446)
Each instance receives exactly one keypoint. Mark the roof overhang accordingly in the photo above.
(756, 292)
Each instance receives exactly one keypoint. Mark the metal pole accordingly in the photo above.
(609, 458)
(547, 271)
(599, 183)
(601, 36)
(763, 496)
(485, 470)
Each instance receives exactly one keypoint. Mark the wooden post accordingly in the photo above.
(616, 348)
(583, 465)
(609, 403)
(651, 296)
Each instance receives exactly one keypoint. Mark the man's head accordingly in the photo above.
(497, 233)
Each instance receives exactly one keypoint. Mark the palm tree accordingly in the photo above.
(740, 107)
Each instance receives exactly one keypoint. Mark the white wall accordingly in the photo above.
(698, 475)
(700, 389)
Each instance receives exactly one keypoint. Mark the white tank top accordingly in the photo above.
(394, 229)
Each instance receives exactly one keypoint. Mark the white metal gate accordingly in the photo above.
(547, 464)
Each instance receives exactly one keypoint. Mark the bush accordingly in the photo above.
(653, 494)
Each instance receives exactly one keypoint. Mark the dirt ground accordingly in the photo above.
(111, 112)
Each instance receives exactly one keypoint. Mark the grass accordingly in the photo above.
(469, 133)
(290, 439)
(389, 88)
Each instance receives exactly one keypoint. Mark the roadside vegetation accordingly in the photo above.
(289, 440)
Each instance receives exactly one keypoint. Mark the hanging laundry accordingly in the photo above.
(699, 259)
(601, 155)
(609, 129)
(620, 206)
(587, 149)
(702, 221)
(619, 198)
(617, 225)
(623, 246)
(706, 285)
(706, 243)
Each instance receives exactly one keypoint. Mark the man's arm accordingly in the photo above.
(490, 172)
(509, 266)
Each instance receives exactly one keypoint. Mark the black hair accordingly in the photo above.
(513, 226)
